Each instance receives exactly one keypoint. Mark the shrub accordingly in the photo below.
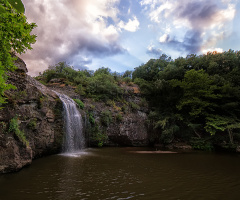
(106, 118)
(32, 124)
(80, 90)
(79, 103)
(127, 80)
(119, 117)
(124, 108)
(14, 127)
(91, 119)
(3, 126)
(98, 137)
(134, 106)
(201, 144)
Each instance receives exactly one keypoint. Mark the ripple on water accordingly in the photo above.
(76, 154)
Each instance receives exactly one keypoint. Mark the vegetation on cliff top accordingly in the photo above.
(193, 99)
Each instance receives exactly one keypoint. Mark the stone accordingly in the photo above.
(31, 101)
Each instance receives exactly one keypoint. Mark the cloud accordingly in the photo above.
(192, 23)
(152, 50)
(219, 50)
(72, 29)
(164, 38)
(131, 25)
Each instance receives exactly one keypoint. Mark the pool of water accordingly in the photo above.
(126, 173)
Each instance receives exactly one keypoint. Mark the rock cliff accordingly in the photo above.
(127, 120)
(36, 111)
(31, 123)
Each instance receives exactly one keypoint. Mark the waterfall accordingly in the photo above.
(74, 138)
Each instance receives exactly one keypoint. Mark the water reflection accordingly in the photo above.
(121, 173)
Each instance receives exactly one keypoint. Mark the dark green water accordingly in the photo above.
(118, 173)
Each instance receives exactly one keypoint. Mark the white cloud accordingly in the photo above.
(218, 50)
(151, 49)
(131, 25)
(164, 38)
(67, 29)
(191, 23)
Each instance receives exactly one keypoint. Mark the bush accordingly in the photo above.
(32, 124)
(3, 127)
(127, 80)
(14, 127)
(134, 106)
(201, 144)
(119, 117)
(98, 137)
(80, 90)
(106, 118)
(91, 119)
(79, 103)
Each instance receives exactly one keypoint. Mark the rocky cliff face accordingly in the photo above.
(37, 113)
(127, 126)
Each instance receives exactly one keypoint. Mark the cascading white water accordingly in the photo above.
(74, 138)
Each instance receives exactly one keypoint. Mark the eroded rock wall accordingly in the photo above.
(39, 115)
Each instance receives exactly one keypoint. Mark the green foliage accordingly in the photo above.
(150, 70)
(106, 118)
(79, 103)
(201, 144)
(3, 127)
(91, 119)
(80, 90)
(102, 70)
(127, 80)
(194, 97)
(134, 106)
(32, 124)
(119, 117)
(42, 101)
(16, 4)
(14, 127)
(199, 92)
(15, 38)
(98, 137)
(127, 74)
(19, 95)
(103, 87)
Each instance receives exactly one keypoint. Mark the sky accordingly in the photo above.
(123, 34)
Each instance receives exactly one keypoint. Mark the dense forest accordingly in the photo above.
(193, 99)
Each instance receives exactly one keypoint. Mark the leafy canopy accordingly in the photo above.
(15, 38)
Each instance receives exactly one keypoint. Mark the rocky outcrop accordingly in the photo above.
(37, 111)
(130, 130)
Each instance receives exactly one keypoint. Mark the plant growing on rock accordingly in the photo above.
(15, 38)
(79, 103)
(14, 127)
(119, 117)
(98, 137)
(32, 124)
(106, 118)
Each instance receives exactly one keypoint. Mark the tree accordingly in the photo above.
(15, 38)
